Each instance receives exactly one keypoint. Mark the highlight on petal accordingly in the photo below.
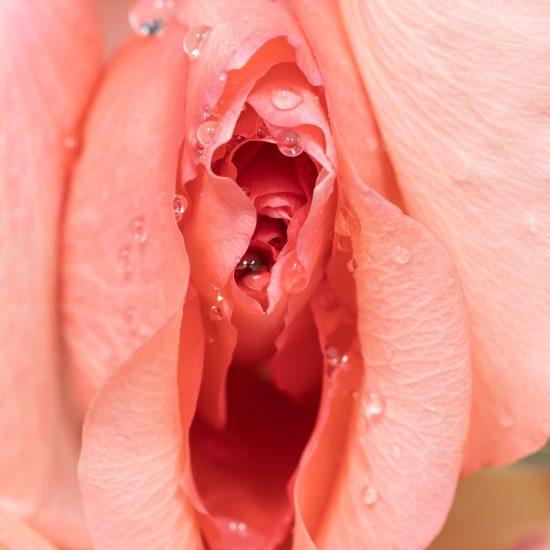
(461, 104)
(48, 66)
(123, 253)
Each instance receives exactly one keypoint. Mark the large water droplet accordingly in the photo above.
(400, 254)
(370, 495)
(150, 18)
(374, 404)
(206, 132)
(289, 144)
(180, 206)
(195, 39)
(294, 277)
(286, 98)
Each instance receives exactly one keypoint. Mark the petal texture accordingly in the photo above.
(460, 91)
(47, 70)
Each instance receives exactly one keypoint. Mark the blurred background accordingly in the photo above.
(502, 509)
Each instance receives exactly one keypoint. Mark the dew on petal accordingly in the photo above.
(71, 142)
(332, 356)
(400, 254)
(150, 19)
(206, 132)
(352, 265)
(347, 222)
(285, 99)
(374, 405)
(215, 313)
(180, 206)
(289, 144)
(396, 452)
(343, 242)
(370, 495)
(222, 77)
(294, 277)
(137, 228)
(262, 131)
(195, 39)
(218, 294)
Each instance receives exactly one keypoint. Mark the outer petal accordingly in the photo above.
(460, 90)
(49, 61)
(123, 251)
(395, 482)
(131, 462)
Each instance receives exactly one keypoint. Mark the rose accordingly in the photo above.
(394, 334)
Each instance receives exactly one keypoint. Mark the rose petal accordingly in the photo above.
(47, 70)
(413, 337)
(460, 99)
(123, 254)
(132, 458)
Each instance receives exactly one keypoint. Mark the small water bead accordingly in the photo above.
(352, 265)
(215, 313)
(374, 405)
(347, 222)
(195, 39)
(206, 132)
(151, 28)
(137, 228)
(285, 98)
(400, 254)
(218, 295)
(222, 77)
(71, 142)
(237, 526)
(180, 206)
(396, 452)
(332, 356)
(246, 191)
(343, 243)
(262, 131)
(150, 18)
(289, 144)
(294, 277)
(533, 224)
(370, 495)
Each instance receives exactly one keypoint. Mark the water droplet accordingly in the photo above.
(180, 206)
(294, 277)
(286, 98)
(400, 254)
(332, 355)
(222, 76)
(370, 495)
(289, 144)
(206, 112)
(533, 224)
(149, 19)
(215, 313)
(71, 142)
(329, 300)
(262, 131)
(432, 408)
(374, 405)
(123, 257)
(352, 265)
(396, 452)
(195, 39)
(246, 191)
(347, 222)
(237, 526)
(506, 421)
(343, 242)
(218, 294)
(206, 132)
(137, 227)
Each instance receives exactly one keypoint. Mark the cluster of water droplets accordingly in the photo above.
(125, 255)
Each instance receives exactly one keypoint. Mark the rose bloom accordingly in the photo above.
(276, 276)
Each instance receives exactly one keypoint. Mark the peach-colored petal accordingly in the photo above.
(16, 535)
(398, 468)
(131, 463)
(123, 255)
(461, 93)
(49, 61)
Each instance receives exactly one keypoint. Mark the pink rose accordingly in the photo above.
(275, 293)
